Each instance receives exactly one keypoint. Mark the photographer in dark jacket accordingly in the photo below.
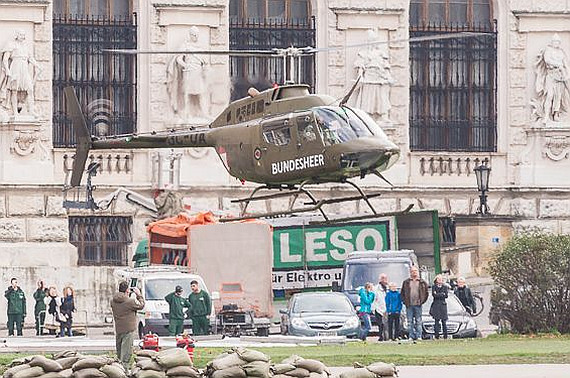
(465, 296)
(16, 307)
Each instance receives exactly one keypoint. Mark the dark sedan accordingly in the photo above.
(319, 314)
(459, 323)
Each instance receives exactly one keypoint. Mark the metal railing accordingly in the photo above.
(263, 72)
(105, 83)
(453, 89)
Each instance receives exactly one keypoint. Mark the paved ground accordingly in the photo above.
(478, 371)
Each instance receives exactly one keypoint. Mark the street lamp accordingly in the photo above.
(482, 173)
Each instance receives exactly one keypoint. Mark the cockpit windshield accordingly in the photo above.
(341, 124)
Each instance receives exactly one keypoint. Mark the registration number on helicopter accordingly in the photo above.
(298, 164)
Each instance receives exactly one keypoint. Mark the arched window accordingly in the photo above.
(105, 83)
(453, 83)
(264, 25)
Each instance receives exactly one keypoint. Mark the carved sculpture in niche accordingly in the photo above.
(552, 84)
(373, 91)
(168, 204)
(17, 77)
(186, 82)
(557, 147)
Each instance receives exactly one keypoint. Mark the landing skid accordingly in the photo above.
(312, 205)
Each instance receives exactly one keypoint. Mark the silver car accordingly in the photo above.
(320, 314)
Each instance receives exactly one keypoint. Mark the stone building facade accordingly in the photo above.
(529, 158)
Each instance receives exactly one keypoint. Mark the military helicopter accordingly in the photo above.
(283, 138)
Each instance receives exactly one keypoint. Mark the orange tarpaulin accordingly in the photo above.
(177, 226)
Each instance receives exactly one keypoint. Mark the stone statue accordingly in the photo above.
(373, 91)
(552, 83)
(168, 204)
(16, 77)
(186, 81)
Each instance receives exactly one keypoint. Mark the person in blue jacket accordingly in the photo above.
(366, 295)
(393, 309)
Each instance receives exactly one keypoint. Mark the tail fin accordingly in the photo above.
(82, 136)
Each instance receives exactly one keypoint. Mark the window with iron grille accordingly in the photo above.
(105, 83)
(101, 240)
(453, 86)
(447, 227)
(264, 25)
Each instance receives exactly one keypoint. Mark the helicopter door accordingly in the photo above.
(277, 144)
(308, 137)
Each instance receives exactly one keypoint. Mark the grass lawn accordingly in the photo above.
(491, 350)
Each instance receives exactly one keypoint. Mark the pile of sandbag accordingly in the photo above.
(300, 367)
(171, 363)
(239, 363)
(375, 370)
(67, 364)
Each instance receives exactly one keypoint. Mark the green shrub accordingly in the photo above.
(532, 274)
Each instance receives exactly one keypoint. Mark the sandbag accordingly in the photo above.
(65, 353)
(89, 373)
(313, 366)
(186, 371)
(357, 373)
(298, 372)
(113, 371)
(324, 374)
(21, 361)
(34, 371)
(382, 369)
(250, 355)
(13, 370)
(146, 353)
(231, 372)
(52, 374)
(227, 361)
(67, 362)
(150, 374)
(258, 369)
(149, 364)
(90, 362)
(67, 373)
(173, 357)
(282, 368)
(46, 364)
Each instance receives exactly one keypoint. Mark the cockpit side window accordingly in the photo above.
(277, 134)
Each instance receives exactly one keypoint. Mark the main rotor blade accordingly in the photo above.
(410, 40)
(204, 52)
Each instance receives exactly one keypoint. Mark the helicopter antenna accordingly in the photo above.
(347, 96)
(383, 178)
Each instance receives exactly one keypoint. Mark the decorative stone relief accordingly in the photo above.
(372, 93)
(552, 84)
(18, 74)
(557, 147)
(187, 83)
(29, 139)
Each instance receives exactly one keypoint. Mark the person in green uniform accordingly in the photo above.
(16, 307)
(176, 304)
(40, 307)
(200, 307)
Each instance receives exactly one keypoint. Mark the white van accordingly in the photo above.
(155, 282)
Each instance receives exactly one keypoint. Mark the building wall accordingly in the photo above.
(528, 180)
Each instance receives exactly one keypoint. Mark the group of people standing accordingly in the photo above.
(47, 303)
(199, 307)
(384, 302)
